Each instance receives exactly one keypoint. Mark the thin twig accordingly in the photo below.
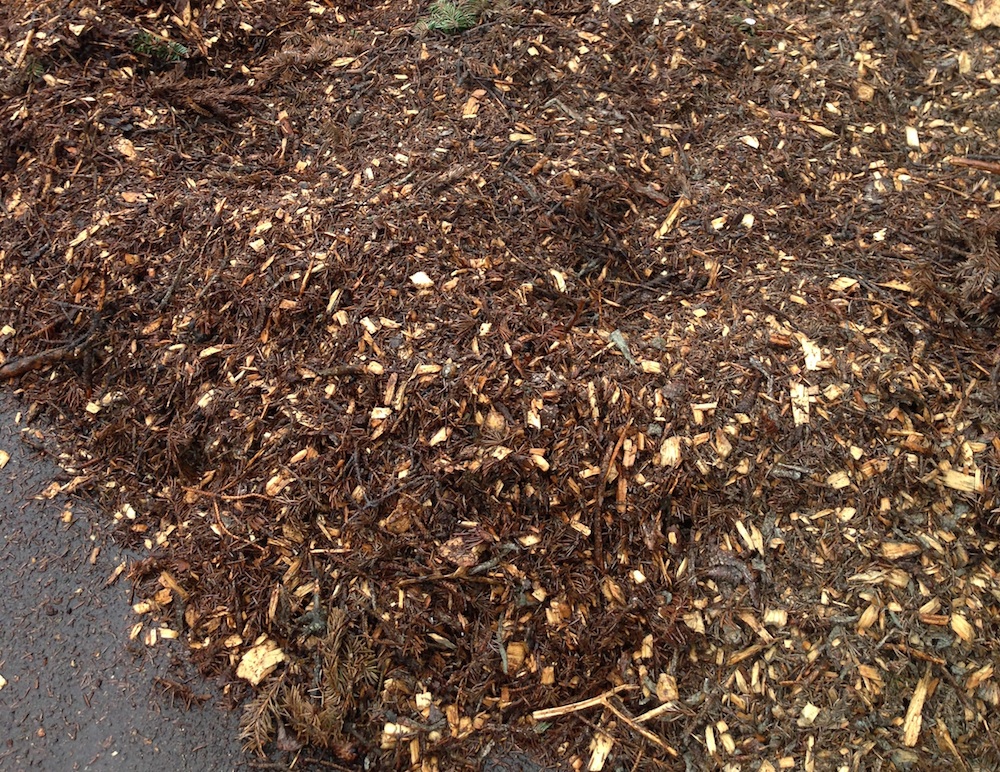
(22, 365)
(661, 710)
(914, 29)
(607, 464)
(24, 51)
(71, 351)
(574, 707)
(631, 722)
(993, 167)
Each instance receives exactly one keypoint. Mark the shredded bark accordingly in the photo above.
(634, 362)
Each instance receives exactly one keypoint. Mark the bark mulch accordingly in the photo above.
(530, 384)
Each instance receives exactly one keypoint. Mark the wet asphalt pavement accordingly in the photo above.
(76, 693)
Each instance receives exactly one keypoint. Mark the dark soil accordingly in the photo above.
(604, 386)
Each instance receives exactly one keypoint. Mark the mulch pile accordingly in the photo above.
(606, 387)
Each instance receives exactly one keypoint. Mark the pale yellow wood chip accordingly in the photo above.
(914, 718)
(260, 661)
(962, 628)
(808, 715)
(800, 403)
(670, 452)
(895, 550)
(600, 749)
(959, 481)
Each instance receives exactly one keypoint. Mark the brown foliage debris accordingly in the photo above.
(633, 363)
